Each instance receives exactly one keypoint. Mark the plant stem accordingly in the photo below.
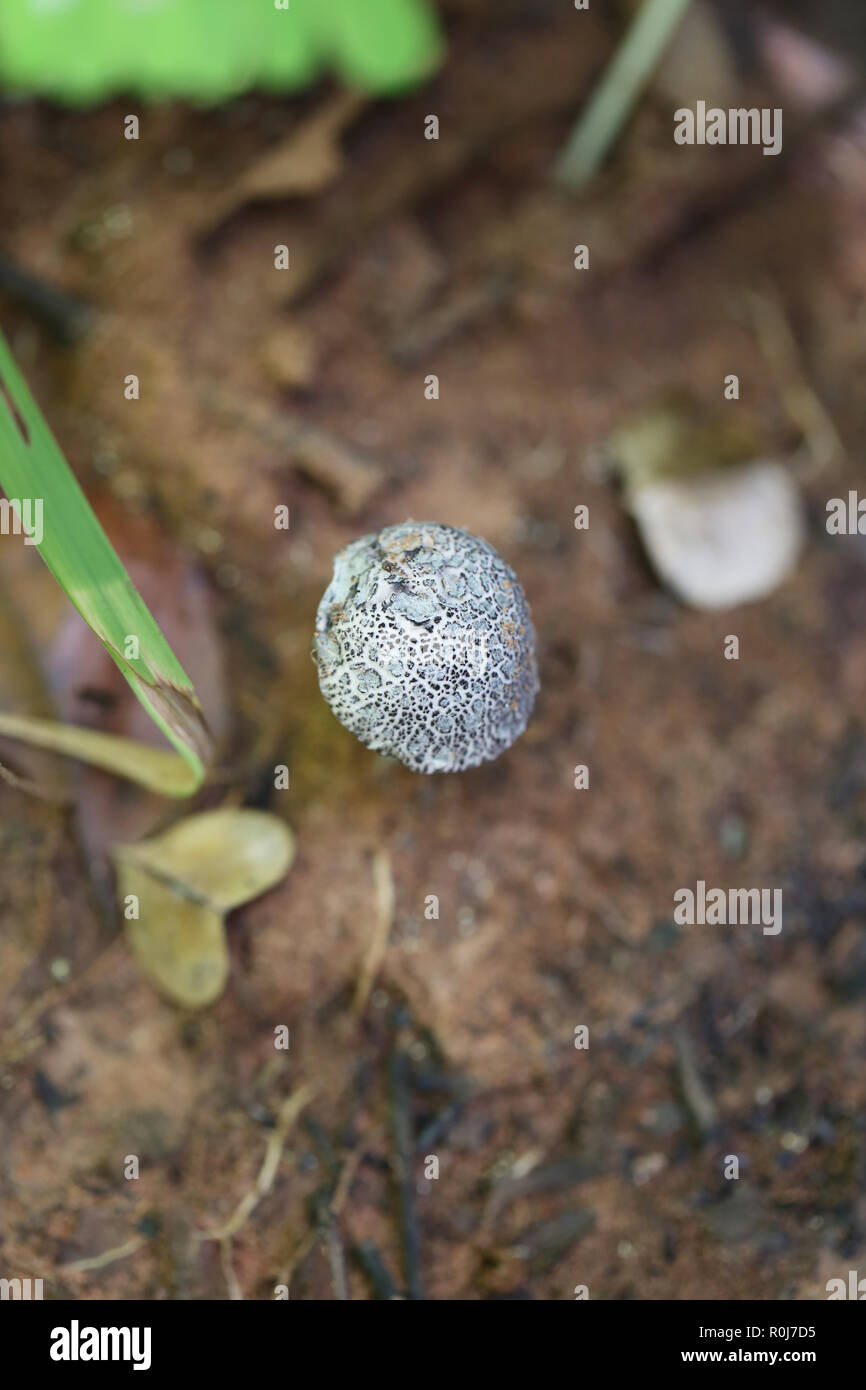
(612, 101)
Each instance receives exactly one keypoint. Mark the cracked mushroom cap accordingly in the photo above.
(425, 647)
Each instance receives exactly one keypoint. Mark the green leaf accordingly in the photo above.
(385, 47)
(75, 548)
(211, 50)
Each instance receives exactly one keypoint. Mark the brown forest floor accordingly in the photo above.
(557, 1167)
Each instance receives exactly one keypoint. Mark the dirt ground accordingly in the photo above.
(558, 1166)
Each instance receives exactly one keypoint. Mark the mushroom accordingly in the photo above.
(721, 524)
(425, 647)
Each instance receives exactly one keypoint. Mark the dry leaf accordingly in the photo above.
(303, 164)
(180, 944)
(184, 881)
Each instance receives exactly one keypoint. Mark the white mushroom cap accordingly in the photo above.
(425, 647)
(723, 537)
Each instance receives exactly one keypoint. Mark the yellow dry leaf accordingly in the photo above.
(182, 883)
(179, 944)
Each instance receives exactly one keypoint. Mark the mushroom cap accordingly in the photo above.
(724, 537)
(425, 647)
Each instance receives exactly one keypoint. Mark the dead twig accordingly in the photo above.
(119, 1252)
(699, 1102)
(367, 1256)
(68, 318)
(383, 881)
(402, 1165)
(288, 1114)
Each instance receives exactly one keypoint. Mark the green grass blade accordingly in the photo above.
(614, 98)
(80, 556)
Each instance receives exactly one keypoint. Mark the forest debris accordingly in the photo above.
(302, 164)
(370, 1260)
(289, 356)
(457, 311)
(739, 1217)
(119, 1252)
(87, 688)
(326, 1204)
(220, 858)
(68, 318)
(617, 93)
(780, 347)
(336, 1260)
(402, 1162)
(180, 885)
(383, 881)
(179, 944)
(546, 1242)
(699, 1102)
(288, 1114)
(556, 1176)
(487, 103)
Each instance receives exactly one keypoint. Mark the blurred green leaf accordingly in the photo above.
(81, 558)
(210, 50)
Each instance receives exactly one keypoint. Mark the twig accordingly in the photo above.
(119, 1252)
(327, 1213)
(614, 98)
(68, 318)
(700, 1104)
(289, 1112)
(383, 880)
(336, 1261)
(402, 1169)
(302, 1249)
(35, 789)
(373, 1266)
(228, 1269)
